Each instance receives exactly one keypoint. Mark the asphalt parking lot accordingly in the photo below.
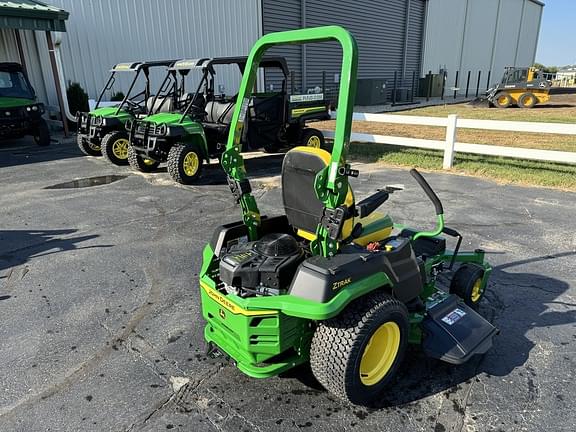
(101, 326)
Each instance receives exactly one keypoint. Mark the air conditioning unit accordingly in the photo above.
(371, 91)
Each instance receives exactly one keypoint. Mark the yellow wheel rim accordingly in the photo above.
(120, 148)
(380, 353)
(476, 291)
(93, 146)
(502, 100)
(313, 141)
(149, 162)
(191, 164)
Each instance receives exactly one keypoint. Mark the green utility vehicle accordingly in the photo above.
(102, 131)
(328, 282)
(20, 111)
(187, 139)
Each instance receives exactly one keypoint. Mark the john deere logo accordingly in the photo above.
(341, 283)
(222, 314)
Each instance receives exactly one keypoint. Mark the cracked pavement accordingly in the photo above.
(101, 326)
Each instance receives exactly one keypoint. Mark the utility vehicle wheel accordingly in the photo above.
(527, 100)
(313, 138)
(88, 148)
(141, 163)
(185, 163)
(42, 134)
(355, 354)
(467, 284)
(503, 100)
(115, 147)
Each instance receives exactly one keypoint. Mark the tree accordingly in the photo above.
(546, 69)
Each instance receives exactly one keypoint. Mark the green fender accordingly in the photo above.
(292, 305)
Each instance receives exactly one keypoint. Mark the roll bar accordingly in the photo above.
(331, 185)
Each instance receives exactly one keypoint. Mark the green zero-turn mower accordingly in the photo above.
(20, 112)
(102, 131)
(328, 282)
(186, 138)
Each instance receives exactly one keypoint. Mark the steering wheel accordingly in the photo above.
(133, 105)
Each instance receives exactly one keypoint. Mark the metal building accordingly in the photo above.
(397, 38)
(480, 36)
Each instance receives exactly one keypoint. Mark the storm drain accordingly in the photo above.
(87, 182)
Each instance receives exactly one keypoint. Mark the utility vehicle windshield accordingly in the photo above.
(15, 84)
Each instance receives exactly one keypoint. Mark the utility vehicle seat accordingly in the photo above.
(219, 112)
(166, 104)
(304, 209)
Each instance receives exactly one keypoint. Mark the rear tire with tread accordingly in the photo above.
(86, 147)
(527, 100)
(140, 163)
(42, 135)
(339, 343)
(502, 100)
(314, 138)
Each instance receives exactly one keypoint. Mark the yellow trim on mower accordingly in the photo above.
(232, 307)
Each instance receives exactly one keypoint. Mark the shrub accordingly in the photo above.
(77, 98)
(117, 97)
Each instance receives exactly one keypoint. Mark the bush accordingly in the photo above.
(77, 98)
(117, 97)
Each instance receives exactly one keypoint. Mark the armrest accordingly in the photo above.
(368, 205)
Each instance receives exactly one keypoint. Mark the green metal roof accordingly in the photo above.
(32, 15)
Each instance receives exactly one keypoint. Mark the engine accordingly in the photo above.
(263, 267)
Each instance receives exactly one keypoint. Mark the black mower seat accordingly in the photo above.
(304, 209)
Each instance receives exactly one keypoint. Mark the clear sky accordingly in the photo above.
(557, 43)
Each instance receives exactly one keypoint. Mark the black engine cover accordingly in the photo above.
(267, 263)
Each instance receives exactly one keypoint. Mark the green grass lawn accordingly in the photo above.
(503, 170)
(560, 109)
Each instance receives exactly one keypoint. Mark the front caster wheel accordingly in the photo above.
(355, 354)
(467, 284)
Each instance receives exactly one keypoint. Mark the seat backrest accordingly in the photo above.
(164, 103)
(301, 205)
(219, 112)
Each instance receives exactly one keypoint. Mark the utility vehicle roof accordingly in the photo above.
(11, 67)
(267, 62)
(135, 66)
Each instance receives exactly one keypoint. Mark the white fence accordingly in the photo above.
(449, 145)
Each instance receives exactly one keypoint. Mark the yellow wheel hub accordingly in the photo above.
(191, 164)
(476, 291)
(149, 162)
(120, 148)
(313, 141)
(380, 353)
(502, 100)
(93, 146)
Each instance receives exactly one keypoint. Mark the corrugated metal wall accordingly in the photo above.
(9, 53)
(102, 33)
(379, 28)
(487, 35)
(280, 15)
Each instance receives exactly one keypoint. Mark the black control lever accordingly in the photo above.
(431, 194)
(368, 205)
